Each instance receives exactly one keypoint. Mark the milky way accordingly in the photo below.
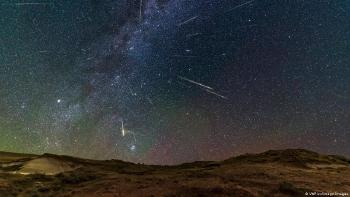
(170, 81)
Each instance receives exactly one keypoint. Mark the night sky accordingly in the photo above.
(171, 81)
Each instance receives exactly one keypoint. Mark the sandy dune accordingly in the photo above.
(8, 157)
(46, 165)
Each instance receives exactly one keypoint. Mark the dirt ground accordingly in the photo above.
(273, 173)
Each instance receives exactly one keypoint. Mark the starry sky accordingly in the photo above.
(172, 81)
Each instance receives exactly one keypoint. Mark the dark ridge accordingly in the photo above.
(9, 157)
(198, 164)
(86, 161)
(298, 157)
(11, 154)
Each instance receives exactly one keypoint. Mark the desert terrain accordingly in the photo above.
(291, 172)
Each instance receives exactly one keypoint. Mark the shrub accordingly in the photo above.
(288, 188)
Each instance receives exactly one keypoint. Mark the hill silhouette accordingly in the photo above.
(290, 172)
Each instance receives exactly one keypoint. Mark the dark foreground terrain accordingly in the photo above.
(272, 173)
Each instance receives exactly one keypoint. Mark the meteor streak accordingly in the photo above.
(187, 21)
(123, 129)
(217, 94)
(238, 6)
(203, 87)
(195, 82)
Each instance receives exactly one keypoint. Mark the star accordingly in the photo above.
(132, 147)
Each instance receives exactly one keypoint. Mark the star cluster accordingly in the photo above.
(170, 81)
